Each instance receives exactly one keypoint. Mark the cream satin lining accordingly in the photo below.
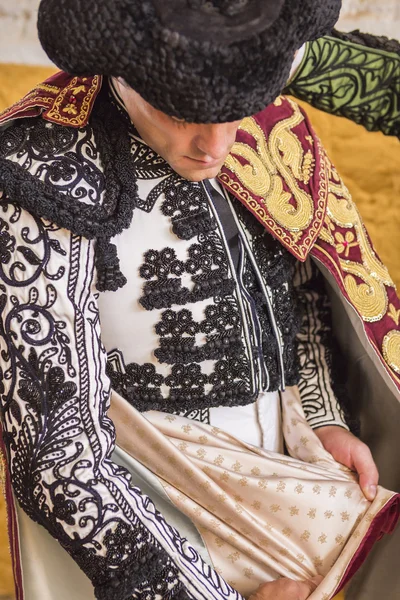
(261, 514)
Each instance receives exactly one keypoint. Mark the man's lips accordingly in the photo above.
(205, 163)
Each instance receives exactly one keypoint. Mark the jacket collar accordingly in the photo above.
(276, 167)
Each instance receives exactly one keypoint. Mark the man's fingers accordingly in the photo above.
(287, 589)
(367, 471)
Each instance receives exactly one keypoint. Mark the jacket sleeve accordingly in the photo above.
(352, 75)
(322, 382)
(54, 397)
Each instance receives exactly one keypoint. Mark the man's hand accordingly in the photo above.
(353, 453)
(286, 589)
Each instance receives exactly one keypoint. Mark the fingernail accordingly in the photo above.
(371, 492)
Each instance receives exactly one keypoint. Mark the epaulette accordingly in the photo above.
(61, 99)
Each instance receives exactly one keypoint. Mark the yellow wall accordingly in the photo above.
(368, 162)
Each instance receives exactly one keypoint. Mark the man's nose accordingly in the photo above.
(215, 140)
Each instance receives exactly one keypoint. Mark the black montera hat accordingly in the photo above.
(205, 61)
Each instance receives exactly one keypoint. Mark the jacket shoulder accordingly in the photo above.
(61, 99)
(277, 168)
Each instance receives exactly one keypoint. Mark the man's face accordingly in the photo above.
(194, 151)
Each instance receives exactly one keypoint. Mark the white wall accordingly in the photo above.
(381, 17)
(18, 39)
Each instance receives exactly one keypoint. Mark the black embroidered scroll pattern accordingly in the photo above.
(323, 371)
(57, 472)
(62, 157)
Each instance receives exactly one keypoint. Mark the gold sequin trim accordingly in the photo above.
(391, 350)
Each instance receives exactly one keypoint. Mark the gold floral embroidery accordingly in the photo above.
(317, 489)
(317, 562)
(339, 539)
(322, 538)
(294, 511)
(275, 508)
(77, 90)
(345, 516)
(300, 557)
(264, 542)
(234, 556)
(345, 243)
(80, 117)
(391, 349)
(70, 109)
(370, 297)
(305, 536)
(332, 491)
(287, 532)
(394, 314)
(312, 513)
(281, 486)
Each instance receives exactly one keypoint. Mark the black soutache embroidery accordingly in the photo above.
(186, 204)
(206, 264)
(277, 267)
(45, 424)
(107, 135)
(177, 331)
(140, 384)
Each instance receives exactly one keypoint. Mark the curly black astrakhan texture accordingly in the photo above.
(185, 75)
